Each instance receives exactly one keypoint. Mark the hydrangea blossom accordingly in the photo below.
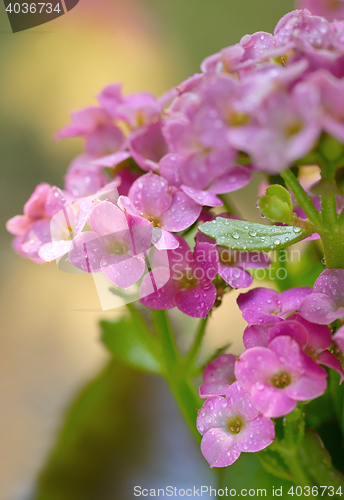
(232, 425)
(279, 375)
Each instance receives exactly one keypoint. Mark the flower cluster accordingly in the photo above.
(154, 168)
(280, 367)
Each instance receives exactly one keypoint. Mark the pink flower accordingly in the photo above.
(86, 175)
(97, 127)
(263, 306)
(313, 339)
(330, 9)
(147, 145)
(32, 230)
(163, 206)
(278, 376)
(189, 287)
(114, 246)
(232, 425)
(283, 129)
(218, 376)
(196, 129)
(326, 303)
(138, 109)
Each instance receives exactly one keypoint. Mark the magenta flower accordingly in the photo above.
(218, 376)
(263, 306)
(163, 206)
(97, 127)
(232, 425)
(189, 287)
(313, 339)
(279, 376)
(326, 303)
(114, 246)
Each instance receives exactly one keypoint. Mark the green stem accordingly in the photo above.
(182, 389)
(332, 233)
(229, 206)
(192, 354)
(302, 197)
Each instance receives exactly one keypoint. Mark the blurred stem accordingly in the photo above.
(332, 233)
(181, 387)
(302, 197)
(229, 205)
(293, 434)
(192, 354)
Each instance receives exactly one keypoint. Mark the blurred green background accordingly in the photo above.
(49, 342)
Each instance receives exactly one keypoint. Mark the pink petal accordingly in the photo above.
(219, 448)
(181, 214)
(320, 308)
(235, 276)
(257, 364)
(157, 289)
(87, 250)
(258, 434)
(271, 402)
(292, 298)
(122, 270)
(261, 299)
(256, 336)
(206, 262)
(150, 195)
(326, 358)
(235, 179)
(293, 329)
(106, 218)
(204, 198)
(240, 402)
(197, 301)
(306, 388)
(51, 251)
(166, 241)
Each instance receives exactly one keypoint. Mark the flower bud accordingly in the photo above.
(276, 204)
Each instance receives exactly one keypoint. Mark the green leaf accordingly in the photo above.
(276, 204)
(128, 341)
(317, 461)
(250, 236)
(96, 446)
(249, 473)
